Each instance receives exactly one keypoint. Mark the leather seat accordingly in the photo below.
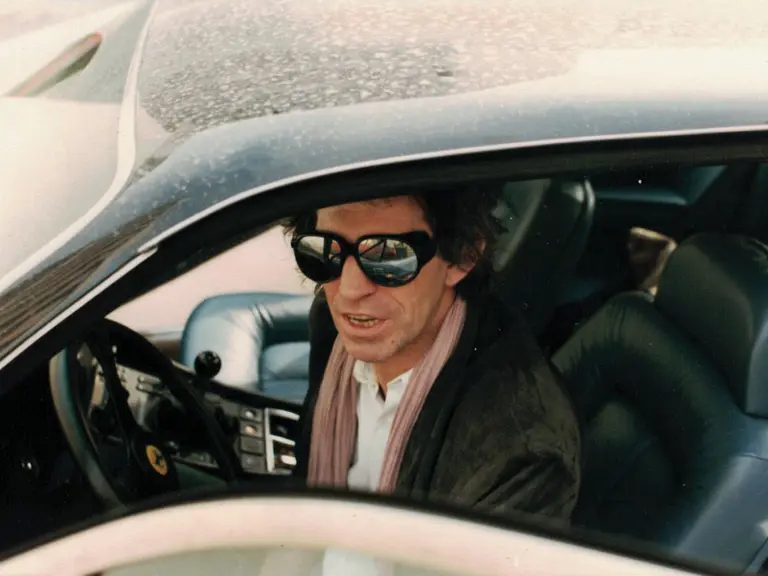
(673, 394)
(261, 337)
(547, 224)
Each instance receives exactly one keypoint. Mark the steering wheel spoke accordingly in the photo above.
(126, 424)
(148, 467)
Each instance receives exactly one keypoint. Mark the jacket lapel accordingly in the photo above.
(423, 447)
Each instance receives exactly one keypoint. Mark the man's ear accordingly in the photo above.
(457, 272)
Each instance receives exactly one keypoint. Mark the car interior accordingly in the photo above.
(648, 288)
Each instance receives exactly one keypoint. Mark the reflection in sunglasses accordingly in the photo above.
(388, 261)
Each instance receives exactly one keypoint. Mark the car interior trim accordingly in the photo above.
(272, 440)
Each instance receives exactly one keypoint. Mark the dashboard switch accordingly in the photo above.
(251, 429)
(253, 464)
(252, 445)
(252, 414)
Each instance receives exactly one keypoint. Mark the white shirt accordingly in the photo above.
(375, 416)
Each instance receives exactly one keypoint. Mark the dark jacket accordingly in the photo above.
(497, 431)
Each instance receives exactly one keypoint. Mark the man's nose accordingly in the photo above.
(353, 284)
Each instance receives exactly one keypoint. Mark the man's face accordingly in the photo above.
(378, 324)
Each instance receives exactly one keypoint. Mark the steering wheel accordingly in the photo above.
(141, 467)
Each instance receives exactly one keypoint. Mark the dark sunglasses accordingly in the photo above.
(388, 260)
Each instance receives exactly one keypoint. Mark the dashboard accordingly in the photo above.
(43, 489)
(262, 430)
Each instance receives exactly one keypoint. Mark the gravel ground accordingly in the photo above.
(210, 62)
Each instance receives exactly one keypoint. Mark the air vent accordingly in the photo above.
(281, 427)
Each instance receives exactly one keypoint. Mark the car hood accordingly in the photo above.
(161, 187)
(72, 127)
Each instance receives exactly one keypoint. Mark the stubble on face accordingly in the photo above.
(406, 318)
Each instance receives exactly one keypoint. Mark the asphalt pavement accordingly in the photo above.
(208, 62)
(213, 61)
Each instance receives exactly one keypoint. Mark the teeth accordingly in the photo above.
(362, 320)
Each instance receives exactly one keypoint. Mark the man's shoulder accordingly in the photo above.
(515, 389)
(513, 434)
(522, 398)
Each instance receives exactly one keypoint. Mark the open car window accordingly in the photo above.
(640, 309)
(627, 296)
(619, 290)
(264, 263)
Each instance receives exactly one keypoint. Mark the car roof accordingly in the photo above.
(220, 165)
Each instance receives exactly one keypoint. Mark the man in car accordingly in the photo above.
(421, 383)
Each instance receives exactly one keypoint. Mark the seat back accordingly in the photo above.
(261, 337)
(546, 226)
(673, 393)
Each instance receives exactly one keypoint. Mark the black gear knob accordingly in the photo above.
(207, 364)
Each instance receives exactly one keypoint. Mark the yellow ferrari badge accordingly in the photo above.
(157, 460)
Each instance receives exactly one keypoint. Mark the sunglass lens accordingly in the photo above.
(388, 262)
(318, 258)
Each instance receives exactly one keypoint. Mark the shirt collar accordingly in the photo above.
(365, 374)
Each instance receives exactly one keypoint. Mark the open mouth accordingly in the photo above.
(360, 321)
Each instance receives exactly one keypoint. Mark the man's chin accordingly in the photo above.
(366, 351)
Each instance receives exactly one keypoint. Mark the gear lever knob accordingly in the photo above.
(207, 364)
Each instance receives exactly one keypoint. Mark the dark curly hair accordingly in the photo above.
(462, 224)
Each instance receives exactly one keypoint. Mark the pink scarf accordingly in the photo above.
(334, 426)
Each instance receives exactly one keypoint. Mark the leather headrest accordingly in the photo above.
(516, 210)
(715, 288)
(546, 224)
